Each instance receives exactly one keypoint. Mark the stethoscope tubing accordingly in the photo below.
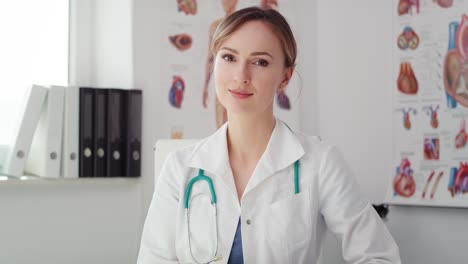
(201, 176)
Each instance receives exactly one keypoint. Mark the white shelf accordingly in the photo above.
(43, 180)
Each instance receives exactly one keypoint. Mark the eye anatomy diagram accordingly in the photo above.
(181, 41)
(406, 116)
(407, 82)
(408, 39)
(403, 183)
(176, 93)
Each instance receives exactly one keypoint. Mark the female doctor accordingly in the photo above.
(255, 191)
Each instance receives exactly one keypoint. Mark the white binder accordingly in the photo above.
(3, 154)
(46, 148)
(70, 133)
(23, 132)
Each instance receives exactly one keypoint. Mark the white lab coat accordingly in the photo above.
(283, 227)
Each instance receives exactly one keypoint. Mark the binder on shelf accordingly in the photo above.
(115, 144)
(70, 151)
(46, 148)
(18, 151)
(132, 119)
(86, 133)
(100, 132)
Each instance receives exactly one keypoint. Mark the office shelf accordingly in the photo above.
(28, 180)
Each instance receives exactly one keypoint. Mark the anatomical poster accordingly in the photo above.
(430, 101)
(191, 108)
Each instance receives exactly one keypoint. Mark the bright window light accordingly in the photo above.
(33, 49)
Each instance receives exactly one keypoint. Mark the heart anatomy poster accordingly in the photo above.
(191, 109)
(430, 101)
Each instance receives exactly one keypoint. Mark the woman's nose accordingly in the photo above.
(242, 74)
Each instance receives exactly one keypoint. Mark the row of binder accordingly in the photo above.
(110, 132)
(70, 131)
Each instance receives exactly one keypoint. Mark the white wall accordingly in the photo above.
(81, 42)
(307, 65)
(146, 76)
(355, 111)
(354, 86)
(101, 51)
(113, 51)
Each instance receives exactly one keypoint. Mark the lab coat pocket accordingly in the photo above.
(299, 253)
(289, 220)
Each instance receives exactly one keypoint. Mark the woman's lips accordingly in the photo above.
(241, 94)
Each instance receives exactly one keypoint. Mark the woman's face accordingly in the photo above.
(249, 69)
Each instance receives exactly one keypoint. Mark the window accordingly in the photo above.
(33, 49)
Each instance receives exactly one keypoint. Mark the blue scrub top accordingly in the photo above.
(236, 256)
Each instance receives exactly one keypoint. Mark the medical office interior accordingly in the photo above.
(347, 85)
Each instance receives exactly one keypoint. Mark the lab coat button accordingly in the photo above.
(248, 221)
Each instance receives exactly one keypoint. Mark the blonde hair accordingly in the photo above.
(273, 18)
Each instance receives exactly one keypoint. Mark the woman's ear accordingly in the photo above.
(287, 76)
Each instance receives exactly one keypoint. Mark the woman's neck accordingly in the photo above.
(248, 136)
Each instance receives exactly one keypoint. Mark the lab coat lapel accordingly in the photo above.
(212, 156)
(283, 149)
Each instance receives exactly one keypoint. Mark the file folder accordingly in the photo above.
(86, 133)
(70, 151)
(100, 132)
(115, 144)
(46, 148)
(18, 152)
(132, 127)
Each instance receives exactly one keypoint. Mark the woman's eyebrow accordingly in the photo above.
(261, 53)
(256, 53)
(231, 50)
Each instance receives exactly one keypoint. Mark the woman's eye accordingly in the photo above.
(261, 62)
(228, 57)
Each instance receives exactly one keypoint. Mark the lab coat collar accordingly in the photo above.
(212, 153)
(283, 149)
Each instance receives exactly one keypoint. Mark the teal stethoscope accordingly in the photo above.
(201, 176)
